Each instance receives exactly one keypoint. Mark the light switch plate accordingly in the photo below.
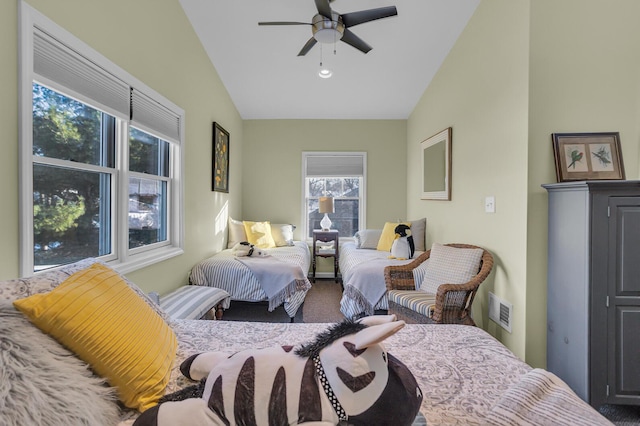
(490, 204)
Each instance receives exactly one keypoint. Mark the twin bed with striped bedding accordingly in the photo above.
(224, 271)
(363, 279)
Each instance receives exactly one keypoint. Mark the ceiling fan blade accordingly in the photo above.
(355, 18)
(355, 41)
(312, 42)
(324, 8)
(283, 23)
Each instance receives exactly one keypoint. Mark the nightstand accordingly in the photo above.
(318, 251)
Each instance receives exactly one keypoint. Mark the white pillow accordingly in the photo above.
(282, 234)
(418, 231)
(368, 238)
(450, 265)
(236, 233)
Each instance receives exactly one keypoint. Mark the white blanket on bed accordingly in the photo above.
(278, 279)
(541, 398)
(365, 283)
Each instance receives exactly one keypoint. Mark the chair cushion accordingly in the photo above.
(450, 265)
(193, 301)
(416, 300)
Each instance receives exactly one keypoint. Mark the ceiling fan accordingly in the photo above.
(328, 26)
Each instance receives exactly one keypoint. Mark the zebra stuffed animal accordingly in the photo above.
(345, 375)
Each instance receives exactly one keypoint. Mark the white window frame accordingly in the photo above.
(122, 258)
(362, 211)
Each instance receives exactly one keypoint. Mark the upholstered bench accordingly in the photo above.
(195, 302)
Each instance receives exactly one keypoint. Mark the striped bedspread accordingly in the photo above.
(224, 271)
(351, 259)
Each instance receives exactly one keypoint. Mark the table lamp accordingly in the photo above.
(326, 206)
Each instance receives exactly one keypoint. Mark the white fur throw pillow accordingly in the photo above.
(42, 383)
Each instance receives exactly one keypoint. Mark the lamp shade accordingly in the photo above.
(326, 205)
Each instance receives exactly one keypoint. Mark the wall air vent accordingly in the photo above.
(500, 311)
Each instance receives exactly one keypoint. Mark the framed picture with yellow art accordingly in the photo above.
(587, 156)
(220, 175)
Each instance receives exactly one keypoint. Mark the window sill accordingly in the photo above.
(145, 259)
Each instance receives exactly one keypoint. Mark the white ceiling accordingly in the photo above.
(266, 79)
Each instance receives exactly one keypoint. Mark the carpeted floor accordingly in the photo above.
(322, 304)
(622, 415)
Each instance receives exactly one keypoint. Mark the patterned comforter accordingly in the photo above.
(463, 372)
(223, 271)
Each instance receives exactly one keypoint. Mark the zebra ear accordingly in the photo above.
(377, 319)
(376, 334)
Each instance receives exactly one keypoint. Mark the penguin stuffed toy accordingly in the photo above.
(402, 247)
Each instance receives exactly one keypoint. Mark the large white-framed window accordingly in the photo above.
(342, 176)
(100, 157)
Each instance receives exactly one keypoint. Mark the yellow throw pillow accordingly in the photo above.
(104, 322)
(259, 234)
(388, 235)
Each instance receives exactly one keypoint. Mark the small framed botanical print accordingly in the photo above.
(587, 156)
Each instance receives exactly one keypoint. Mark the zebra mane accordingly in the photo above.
(329, 336)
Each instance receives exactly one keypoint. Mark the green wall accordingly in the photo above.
(9, 243)
(272, 166)
(481, 92)
(162, 50)
(520, 71)
(584, 77)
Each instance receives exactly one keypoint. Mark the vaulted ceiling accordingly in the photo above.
(266, 79)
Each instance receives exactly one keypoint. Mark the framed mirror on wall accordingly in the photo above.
(436, 166)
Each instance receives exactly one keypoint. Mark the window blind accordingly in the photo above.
(149, 114)
(60, 64)
(334, 165)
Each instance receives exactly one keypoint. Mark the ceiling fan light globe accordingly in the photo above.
(327, 36)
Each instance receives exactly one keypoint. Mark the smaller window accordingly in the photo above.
(338, 175)
(346, 200)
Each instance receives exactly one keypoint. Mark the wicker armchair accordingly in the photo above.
(451, 304)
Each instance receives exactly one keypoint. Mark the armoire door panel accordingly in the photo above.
(627, 240)
(623, 337)
(628, 353)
